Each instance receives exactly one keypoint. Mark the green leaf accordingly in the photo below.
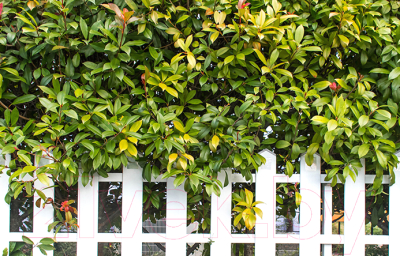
(312, 49)
(279, 199)
(282, 144)
(245, 106)
(46, 247)
(87, 144)
(320, 119)
(229, 59)
(179, 180)
(382, 159)
(363, 120)
(44, 179)
(182, 18)
(47, 240)
(346, 172)
(299, 34)
(237, 160)
(394, 73)
(27, 240)
(379, 71)
(363, 150)
(84, 28)
(69, 68)
(274, 57)
(24, 99)
(283, 72)
(321, 85)
(332, 124)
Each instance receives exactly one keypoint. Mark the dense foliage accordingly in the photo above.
(187, 88)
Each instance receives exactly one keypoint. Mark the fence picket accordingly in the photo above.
(5, 212)
(310, 189)
(176, 219)
(132, 208)
(42, 217)
(354, 217)
(221, 219)
(394, 209)
(87, 217)
(265, 227)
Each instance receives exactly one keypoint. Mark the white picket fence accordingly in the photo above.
(176, 237)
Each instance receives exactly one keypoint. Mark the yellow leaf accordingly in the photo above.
(57, 47)
(172, 91)
(25, 29)
(132, 149)
(246, 212)
(215, 141)
(133, 140)
(189, 157)
(212, 148)
(163, 86)
(68, 216)
(179, 126)
(44, 179)
(136, 126)
(85, 118)
(191, 59)
(172, 157)
(123, 145)
(186, 137)
(78, 92)
(298, 198)
(183, 163)
(214, 36)
(249, 196)
(29, 169)
(31, 4)
(261, 56)
(181, 43)
(258, 211)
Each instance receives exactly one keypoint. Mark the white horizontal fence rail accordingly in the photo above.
(265, 238)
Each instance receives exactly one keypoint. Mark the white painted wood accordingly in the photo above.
(354, 217)
(5, 212)
(132, 209)
(87, 217)
(394, 209)
(176, 219)
(112, 177)
(310, 207)
(42, 217)
(265, 227)
(221, 219)
(327, 217)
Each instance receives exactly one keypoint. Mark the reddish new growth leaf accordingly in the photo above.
(124, 17)
(242, 4)
(335, 87)
(143, 77)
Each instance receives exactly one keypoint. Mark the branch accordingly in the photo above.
(4, 106)
(192, 249)
(160, 246)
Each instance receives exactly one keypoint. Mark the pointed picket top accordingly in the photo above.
(270, 157)
(315, 165)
